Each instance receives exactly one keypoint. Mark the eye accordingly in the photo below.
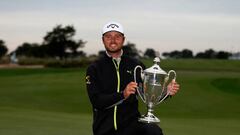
(118, 36)
(107, 37)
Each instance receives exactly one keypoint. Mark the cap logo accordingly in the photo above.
(112, 26)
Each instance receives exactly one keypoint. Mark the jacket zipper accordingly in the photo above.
(118, 90)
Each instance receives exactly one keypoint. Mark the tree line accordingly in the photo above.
(60, 43)
(207, 54)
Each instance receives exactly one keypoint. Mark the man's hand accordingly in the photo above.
(130, 89)
(173, 88)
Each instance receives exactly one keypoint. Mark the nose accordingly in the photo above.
(113, 39)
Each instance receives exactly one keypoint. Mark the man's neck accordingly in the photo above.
(114, 55)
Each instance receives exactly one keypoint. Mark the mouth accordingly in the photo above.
(112, 45)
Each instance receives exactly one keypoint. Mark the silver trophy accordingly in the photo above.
(152, 88)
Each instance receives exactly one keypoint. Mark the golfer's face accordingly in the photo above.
(113, 41)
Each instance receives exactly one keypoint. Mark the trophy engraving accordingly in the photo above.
(152, 88)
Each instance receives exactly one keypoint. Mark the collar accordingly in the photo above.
(118, 59)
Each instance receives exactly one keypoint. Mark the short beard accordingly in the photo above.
(115, 51)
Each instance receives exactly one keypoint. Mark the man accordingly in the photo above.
(112, 90)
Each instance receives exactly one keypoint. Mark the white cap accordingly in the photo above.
(112, 26)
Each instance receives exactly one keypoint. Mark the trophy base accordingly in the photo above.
(149, 118)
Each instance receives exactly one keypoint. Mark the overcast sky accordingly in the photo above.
(164, 25)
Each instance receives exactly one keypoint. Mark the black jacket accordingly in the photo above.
(102, 86)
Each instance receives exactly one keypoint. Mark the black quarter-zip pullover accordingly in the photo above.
(105, 85)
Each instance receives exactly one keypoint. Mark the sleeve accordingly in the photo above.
(98, 99)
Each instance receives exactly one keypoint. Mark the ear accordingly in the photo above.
(102, 39)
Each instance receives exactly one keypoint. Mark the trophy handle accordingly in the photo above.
(135, 79)
(175, 74)
(165, 81)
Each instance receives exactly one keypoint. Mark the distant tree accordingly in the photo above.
(200, 55)
(81, 54)
(175, 54)
(24, 49)
(60, 39)
(131, 50)
(166, 54)
(223, 55)
(73, 47)
(208, 54)
(31, 50)
(3, 49)
(41, 51)
(186, 53)
(150, 53)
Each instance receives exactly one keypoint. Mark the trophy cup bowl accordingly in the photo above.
(152, 88)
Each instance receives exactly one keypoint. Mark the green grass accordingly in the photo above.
(45, 89)
(224, 83)
(54, 101)
(15, 121)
